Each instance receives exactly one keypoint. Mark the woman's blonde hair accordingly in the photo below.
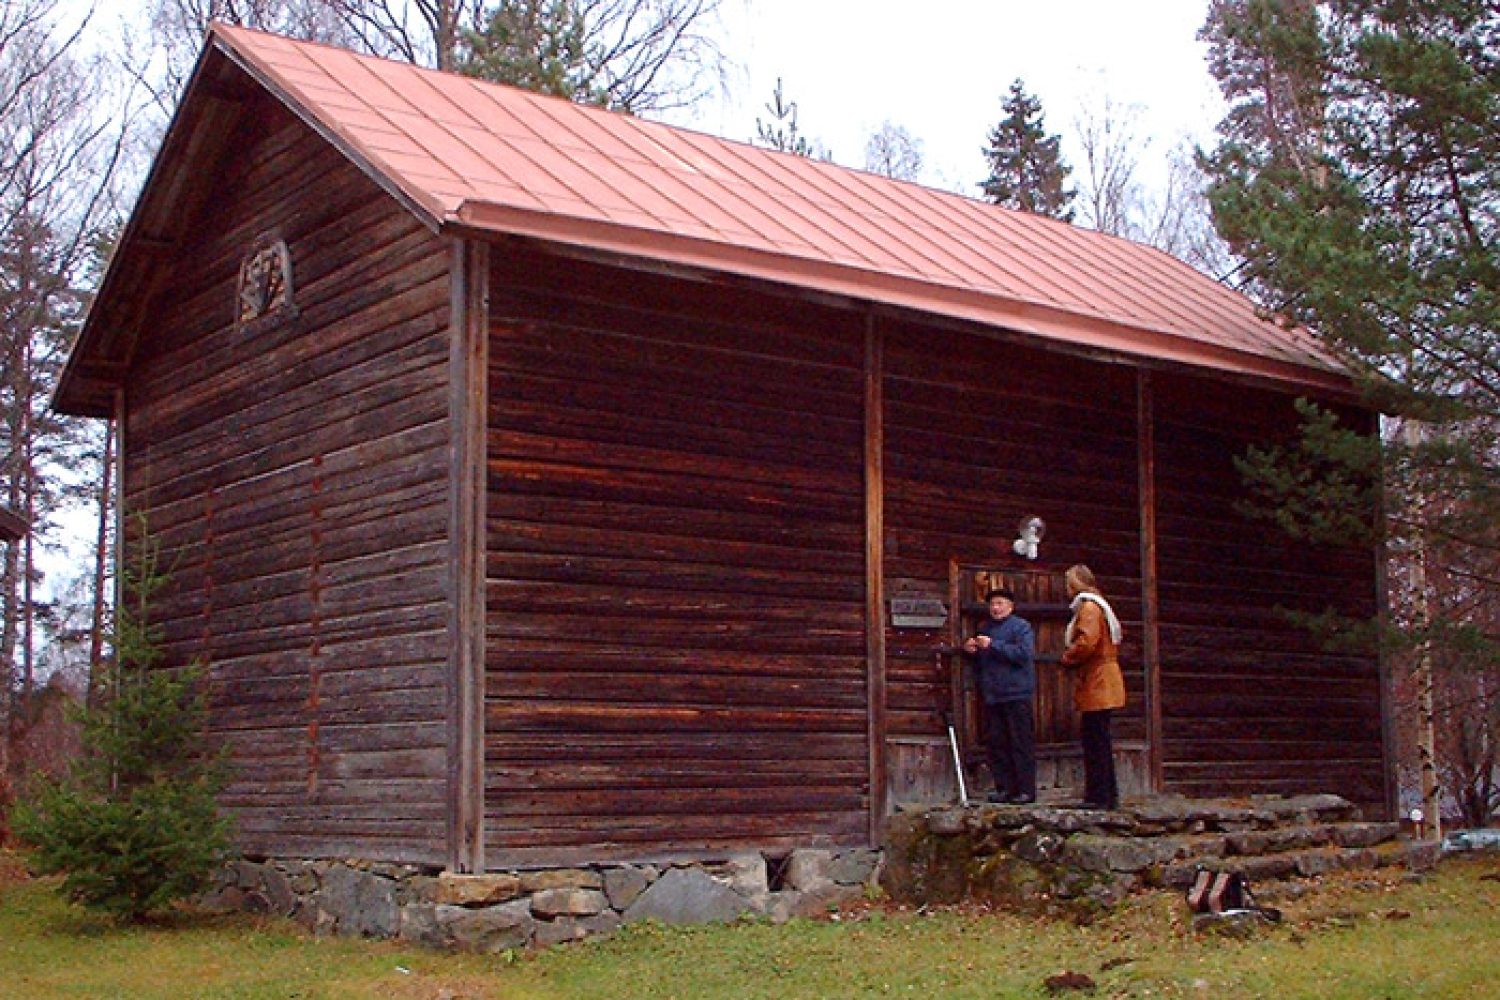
(1080, 578)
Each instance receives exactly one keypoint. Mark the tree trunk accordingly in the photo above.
(101, 564)
(1422, 669)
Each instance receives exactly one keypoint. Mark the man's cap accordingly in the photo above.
(1004, 592)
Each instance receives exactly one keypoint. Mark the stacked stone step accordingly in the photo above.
(1270, 838)
(1017, 854)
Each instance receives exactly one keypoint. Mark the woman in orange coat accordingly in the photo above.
(1093, 640)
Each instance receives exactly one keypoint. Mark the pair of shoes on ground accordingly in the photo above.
(1011, 799)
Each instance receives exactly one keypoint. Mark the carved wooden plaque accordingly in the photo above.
(265, 282)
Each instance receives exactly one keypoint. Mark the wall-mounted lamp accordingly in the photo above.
(1029, 533)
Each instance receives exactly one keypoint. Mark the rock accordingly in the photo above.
(624, 885)
(281, 899)
(453, 889)
(823, 898)
(1422, 856)
(1235, 923)
(559, 931)
(605, 922)
(1364, 834)
(1040, 847)
(560, 878)
(807, 868)
(492, 929)
(1308, 808)
(1117, 854)
(1075, 820)
(427, 923)
(551, 903)
(1171, 812)
(747, 875)
(1205, 845)
(946, 822)
(687, 896)
(1333, 859)
(224, 899)
(855, 867)
(361, 904)
(1270, 866)
(301, 876)
(780, 907)
(1181, 875)
(246, 874)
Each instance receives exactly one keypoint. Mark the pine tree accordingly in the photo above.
(535, 44)
(1358, 177)
(1027, 170)
(134, 826)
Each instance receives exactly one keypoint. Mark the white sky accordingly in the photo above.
(940, 68)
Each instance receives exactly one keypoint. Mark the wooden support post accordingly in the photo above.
(875, 574)
(1150, 613)
(468, 363)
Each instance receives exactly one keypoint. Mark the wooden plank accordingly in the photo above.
(875, 688)
(468, 378)
(1150, 608)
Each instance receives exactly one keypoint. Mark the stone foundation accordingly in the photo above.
(1078, 860)
(516, 909)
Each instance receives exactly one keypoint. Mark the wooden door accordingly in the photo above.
(1042, 599)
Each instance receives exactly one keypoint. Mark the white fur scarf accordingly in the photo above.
(1115, 631)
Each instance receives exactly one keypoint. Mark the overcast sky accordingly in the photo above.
(940, 69)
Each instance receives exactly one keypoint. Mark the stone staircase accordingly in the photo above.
(1027, 857)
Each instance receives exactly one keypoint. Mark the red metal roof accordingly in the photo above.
(478, 155)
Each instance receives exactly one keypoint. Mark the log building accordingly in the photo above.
(544, 485)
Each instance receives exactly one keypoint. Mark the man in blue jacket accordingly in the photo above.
(1003, 652)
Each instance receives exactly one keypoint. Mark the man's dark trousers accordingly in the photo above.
(1010, 738)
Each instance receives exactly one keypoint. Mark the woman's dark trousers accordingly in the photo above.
(1099, 761)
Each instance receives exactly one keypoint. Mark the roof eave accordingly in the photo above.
(100, 354)
(97, 360)
(1140, 343)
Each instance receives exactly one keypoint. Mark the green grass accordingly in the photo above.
(1359, 936)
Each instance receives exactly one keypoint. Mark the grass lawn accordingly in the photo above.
(1357, 936)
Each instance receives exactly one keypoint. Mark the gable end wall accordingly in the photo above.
(294, 473)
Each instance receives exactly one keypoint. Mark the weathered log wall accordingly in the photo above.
(675, 649)
(980, 434)
(1252, 703)
(294, 472)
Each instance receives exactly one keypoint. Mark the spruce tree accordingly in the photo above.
(134, 826)
(781, 132)
(1027, 170)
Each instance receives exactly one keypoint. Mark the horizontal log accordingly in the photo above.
(674, 775)
(588, 657)
(752, 635)
(684, 800)
(678, 689)
(517, 747)
(581, 718)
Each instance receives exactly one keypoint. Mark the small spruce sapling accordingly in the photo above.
(134, 825)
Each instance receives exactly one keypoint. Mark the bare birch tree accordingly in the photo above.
(60, 148)
(894, 152)
(1115, 196)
